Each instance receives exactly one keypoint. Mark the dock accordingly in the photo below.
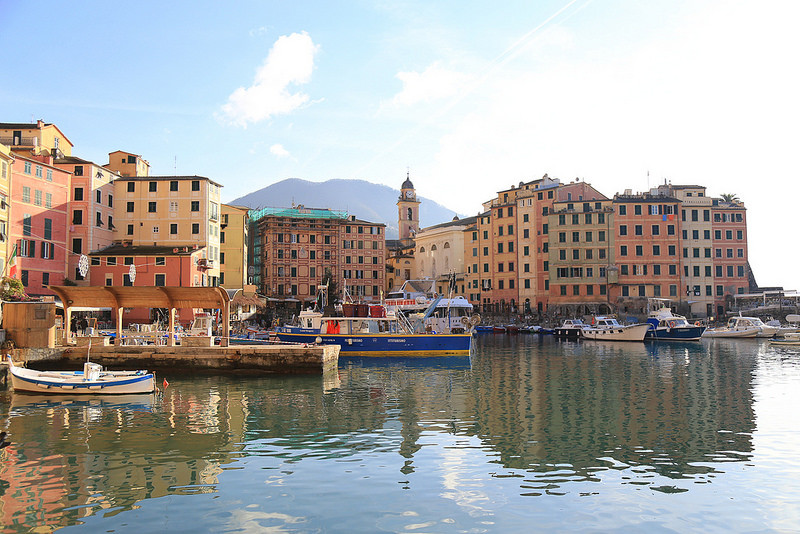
(250, 359)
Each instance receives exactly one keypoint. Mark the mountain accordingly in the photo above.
(367, 201)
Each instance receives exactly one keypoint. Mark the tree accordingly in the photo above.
(730, 197)
(12, 290)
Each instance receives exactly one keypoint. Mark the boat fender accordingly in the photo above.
(698, 323)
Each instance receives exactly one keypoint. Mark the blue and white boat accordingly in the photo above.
(666, 326)
(93, 380)
(377, 334)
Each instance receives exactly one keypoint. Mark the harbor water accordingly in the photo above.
(527, 434)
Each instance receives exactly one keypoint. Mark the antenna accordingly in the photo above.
(176, 165)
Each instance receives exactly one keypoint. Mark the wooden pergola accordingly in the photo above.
(120, 297)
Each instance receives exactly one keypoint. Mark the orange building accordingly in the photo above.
(647, 250)
(731, 268)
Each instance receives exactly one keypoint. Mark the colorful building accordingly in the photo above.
(233, 244)
(301, 248)
(646, 249)
(171, 211)
(731, 268)
(38, 225)
(440, 253)
(6, 165)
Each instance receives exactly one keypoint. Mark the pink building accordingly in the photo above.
(151, 266)
(38, 222)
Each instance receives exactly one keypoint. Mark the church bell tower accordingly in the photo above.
(407, 211)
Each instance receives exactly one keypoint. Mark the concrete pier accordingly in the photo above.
(250, 359)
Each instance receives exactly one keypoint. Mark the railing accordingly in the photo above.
(19, 141)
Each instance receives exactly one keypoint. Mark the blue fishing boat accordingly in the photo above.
(666, 326)
(386, 335)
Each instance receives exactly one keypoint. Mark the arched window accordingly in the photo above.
(446, 244)
(410, 214)
(421, 250)
(433, 247)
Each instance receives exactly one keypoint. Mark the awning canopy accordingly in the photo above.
(141, 297)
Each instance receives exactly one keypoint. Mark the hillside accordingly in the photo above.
(367, 201)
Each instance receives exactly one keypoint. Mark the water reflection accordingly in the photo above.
(545, 416)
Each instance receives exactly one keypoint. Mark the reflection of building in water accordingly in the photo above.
(73, 457)
(592, 401)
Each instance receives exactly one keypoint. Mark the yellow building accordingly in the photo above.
(39, 138)
(233, 243)
(174, 211)
(5, 187)
(127, 164)
(440, 252)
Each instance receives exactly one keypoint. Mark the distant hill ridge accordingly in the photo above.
(367, 201)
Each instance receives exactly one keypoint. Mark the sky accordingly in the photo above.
(467, 97)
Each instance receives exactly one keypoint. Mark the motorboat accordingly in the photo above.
(764, 330)
(735, 328)
(570, 329)
(666, 326)
(604, 328)
(92, 380)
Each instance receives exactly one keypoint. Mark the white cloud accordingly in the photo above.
(435, 83)
(290, 61)
(278, 150)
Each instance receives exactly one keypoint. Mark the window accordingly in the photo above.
(153, 187)
(26, 224)
(129, 206)
(48, 228)
(77, 245)
(98, 220)
(655, 229)
(195, 228)
(623, 210)
(99, 197)
(173, 229)
(131, 187)
(26, 193)
(623, 250)
(151, 207)
(638, 230)
(195, 205)
(48, 200)
(77, 216)
(173, 185)
(48, 250)
(160, 280)
(637, 209)
(195, 185)
(77, 194)
(623, 229)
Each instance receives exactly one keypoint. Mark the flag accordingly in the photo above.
(11, 267)
(165, 383)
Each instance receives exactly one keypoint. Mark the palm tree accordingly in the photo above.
(730, 197)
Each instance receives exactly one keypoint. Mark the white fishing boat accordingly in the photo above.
(92, 380)
(734, 328)
(608, 329)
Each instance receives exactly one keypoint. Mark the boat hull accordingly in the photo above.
(567, 333)
(617, 333)
(388, 344)
(36, 383)
(725, 333)
(688, 333)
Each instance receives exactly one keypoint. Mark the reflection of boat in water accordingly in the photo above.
(142, 402)
(570, 329)
(790, 339)
(92, 380)
(605, 328)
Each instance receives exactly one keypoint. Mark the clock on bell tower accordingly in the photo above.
(407, 211)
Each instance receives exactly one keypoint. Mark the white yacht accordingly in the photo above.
(605, 328)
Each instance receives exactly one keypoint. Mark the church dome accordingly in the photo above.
(407, 184)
